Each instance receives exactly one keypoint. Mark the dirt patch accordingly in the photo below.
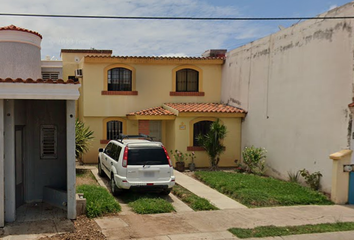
(189, 174)
(85, 176)
(85, 228)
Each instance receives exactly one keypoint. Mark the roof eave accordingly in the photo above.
(212, 114)
(151, 117)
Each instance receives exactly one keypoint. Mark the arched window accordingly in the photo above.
(119, 79)
(200, 128)
(187, 80)
(114, 128)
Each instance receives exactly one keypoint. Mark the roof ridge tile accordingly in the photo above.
(15, 28)
(39, 80)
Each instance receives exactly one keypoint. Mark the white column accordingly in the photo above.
(9, 161)
(70, 158)
(2, 190)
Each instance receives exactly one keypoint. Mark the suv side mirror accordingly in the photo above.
(100, 150)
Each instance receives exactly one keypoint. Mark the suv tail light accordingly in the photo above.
(125, 157)
(168, 157)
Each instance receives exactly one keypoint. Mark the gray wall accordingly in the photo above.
(296, 86)
(20, 60)
(42, 172)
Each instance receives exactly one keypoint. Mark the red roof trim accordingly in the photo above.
(157, 57)
(15, 28)
(205, 108)
(30, 80)
(157, 111)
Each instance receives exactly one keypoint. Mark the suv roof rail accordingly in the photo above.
(140, 136)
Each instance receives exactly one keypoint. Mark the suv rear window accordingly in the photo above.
(147, 156)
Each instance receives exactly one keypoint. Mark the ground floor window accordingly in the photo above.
(202, 128)
(114, 128)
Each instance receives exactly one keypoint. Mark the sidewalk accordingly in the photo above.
(221, 201)
(214, 224)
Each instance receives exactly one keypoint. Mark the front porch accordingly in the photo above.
(37, 150)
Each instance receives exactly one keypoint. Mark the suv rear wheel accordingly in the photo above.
(100, 172)
(166, 191)
(114, 188)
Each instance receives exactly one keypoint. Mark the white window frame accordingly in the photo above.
(50, 75)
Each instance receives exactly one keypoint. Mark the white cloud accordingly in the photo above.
(174, 55)
(332, 7)
(128, 37)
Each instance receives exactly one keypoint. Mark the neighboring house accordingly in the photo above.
(296, 85)
(37, 129)
(171, 99)
(52, 69)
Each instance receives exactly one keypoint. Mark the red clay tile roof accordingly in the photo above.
(157, 111)
(204, 108)
(157, 57)
(15, 28)
(30, 80)
(86, 51)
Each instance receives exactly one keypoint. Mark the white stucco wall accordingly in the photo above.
(22, 51)
(296, 86)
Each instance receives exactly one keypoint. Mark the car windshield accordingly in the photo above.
(147, 156)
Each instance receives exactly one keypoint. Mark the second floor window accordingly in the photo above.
(50, 75)
(187, 80)
(119, 79)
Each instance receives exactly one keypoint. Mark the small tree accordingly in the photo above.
(211, 142)
(82, 137)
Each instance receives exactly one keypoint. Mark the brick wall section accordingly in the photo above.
(144, 127)
(200, 94)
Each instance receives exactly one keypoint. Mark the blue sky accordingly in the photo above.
(153, 37)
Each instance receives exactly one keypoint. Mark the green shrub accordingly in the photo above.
(98, 200)
(83, 136)
(311, 179)
(212, 142)
(253, 158)
(294, 177)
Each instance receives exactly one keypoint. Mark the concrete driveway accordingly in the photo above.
(187, 224)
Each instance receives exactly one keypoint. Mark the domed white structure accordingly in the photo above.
(21, 49)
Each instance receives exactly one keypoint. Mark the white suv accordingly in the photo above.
(136, 162)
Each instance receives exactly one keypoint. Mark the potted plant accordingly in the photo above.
(180, 158)
(192, 164)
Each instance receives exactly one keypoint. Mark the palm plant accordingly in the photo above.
(211, 142)
(83, 135)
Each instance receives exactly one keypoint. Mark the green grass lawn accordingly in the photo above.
(272, 231)
(258, 191)
(98, 200)
(195, 202)
(146, 203)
